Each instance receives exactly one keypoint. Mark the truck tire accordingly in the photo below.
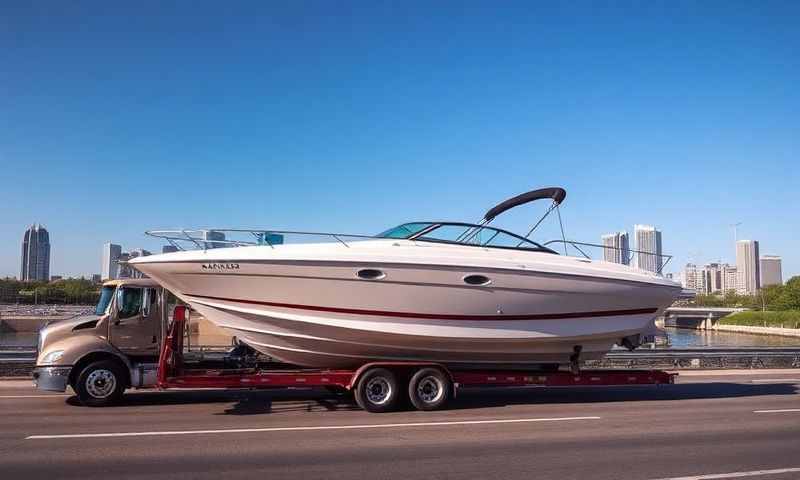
(377, 390)
(429, 389)
(100, 383)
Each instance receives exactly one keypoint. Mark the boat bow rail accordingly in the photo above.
(629, 253)
(204, 239)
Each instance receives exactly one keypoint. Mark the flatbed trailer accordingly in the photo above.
(380, 386)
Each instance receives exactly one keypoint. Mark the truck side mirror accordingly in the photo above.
(146, 302)
(120, 299)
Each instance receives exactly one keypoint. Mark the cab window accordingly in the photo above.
(130, 302)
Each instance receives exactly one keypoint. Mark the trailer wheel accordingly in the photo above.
(100, 384)
(377, 391)
(429, 389)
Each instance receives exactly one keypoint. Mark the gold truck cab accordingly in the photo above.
(101, 354)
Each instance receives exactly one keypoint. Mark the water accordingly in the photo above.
(683, 337)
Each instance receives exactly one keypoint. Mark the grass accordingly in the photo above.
(785, 319)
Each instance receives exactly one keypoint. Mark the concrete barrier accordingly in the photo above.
(784, 332)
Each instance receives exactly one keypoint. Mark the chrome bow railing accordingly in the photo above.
(626, 254)
(204, 239)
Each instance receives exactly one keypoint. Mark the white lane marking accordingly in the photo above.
(775, 380)
(783, 410)
(301, 429)
(55, 395)
(754, 473)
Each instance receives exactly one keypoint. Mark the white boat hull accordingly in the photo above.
(318, 313)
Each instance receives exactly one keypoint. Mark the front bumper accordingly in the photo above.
(53, 379)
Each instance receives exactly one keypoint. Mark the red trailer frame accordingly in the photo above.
(173, 374)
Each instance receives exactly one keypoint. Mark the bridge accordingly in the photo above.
(702, 318)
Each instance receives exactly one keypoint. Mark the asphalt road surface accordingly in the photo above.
(708, 426)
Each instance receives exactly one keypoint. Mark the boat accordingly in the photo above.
(448, 292)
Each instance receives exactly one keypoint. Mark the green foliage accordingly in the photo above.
(774, 297)
(72, 291)
(786, 319)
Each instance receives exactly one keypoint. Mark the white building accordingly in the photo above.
(617, 249)
(748, 266)
(694, 279)
(730, 279)
(712, 273)
(110, 261)
(771, 271)
(648, 244)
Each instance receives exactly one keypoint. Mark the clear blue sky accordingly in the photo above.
(116, 118)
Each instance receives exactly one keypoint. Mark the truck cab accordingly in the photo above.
(115, 347)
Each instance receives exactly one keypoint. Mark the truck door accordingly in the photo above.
(134, 329)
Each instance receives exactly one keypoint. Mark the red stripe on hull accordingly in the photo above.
(437, 316)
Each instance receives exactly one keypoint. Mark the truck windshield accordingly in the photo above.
(105, 298)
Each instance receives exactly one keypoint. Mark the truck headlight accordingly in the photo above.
(53, 356)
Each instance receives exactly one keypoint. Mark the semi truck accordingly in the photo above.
(135, 339)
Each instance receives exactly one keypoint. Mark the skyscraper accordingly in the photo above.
(648, 244)
(35, 255)
(713, 277)
(748, 267)
(214, 235)
(111, 254)
(138, 252)
(617, 249)
(771, 270)
(730, 279)
(694, 279)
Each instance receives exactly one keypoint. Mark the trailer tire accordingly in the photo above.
(100, 383)
(429, 389)
(377, 390)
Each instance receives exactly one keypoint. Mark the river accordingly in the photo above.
(684, 337)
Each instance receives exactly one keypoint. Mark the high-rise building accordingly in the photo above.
(694, 279)
(123, 269)
(748, 267)
(771, 270)
(139, 252)
(110, 267)
(617, 248)
(96, 278)
(214, 235)
(35, 255)
(713, 277)
(648, 244)
(730, 279)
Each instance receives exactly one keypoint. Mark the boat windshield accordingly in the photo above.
(404, 231)
(463, 234)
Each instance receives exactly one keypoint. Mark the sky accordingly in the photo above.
(120, 117)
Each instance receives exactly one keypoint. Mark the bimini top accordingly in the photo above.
(556, 193)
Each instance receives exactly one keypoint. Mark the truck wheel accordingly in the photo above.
(100, 383)
(377, 390)
(429, 389)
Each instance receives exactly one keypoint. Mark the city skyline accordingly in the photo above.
(361, 120)
(617, 240)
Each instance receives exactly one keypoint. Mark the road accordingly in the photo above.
(708, 424)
